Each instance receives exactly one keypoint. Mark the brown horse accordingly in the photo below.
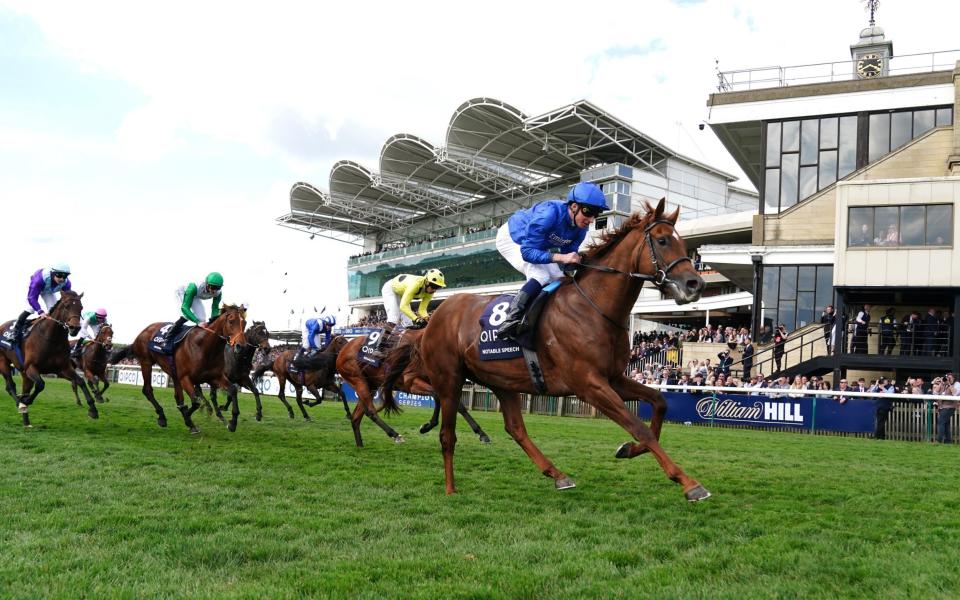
(320, 374)
(582, 343)
(197, 359)
(366, 379)
(93, 363)
(238, 362)
(46, 350)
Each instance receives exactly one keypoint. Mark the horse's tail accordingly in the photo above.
(397, 362)
(120, 354)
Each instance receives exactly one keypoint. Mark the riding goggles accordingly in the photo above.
(590, 211)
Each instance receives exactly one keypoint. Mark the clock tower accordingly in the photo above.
(872, 54)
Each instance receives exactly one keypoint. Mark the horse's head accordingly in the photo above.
(667, 256)
(67, 311)
(257, 335)
(105, 336)
(231, 322)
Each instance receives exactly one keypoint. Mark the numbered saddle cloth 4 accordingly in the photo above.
(7, 336)
(159, 343)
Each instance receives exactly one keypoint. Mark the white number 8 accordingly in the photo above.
(499, 313)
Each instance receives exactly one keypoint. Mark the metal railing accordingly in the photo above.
(770, 77)
(455, 240)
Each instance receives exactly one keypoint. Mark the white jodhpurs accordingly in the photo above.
(510, 250)
(392, 305)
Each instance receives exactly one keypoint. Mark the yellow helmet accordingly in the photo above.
(435, 277)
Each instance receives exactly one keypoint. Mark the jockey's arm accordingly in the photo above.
(188, 296)
(215, 307)
(33, 292)
(409, 291)
(424, 305)
(313, 328)
(535, 240)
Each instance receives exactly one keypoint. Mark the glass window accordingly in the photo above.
(848, 146)
(791, 136)
(625, 171)
(773, 144)
(828, 167)
(788, 283)
(788, 180)
(788, 314)
(886, 225)
(828, 133)
(901, 124)
(809, 135)
(940, 225)
(824, 288)
(771, 291)
(806, 279)
(805, 308)
(771, 191)
(808, 181)
(923, 121)
(912, 225)
(944, 117)
(879, 136)
(860, 227)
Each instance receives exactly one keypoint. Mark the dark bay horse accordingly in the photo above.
(367, 379)
(46, 350)
(319, 375)
(582, 342)
(197, 359)
(93, 363)
(238, 362)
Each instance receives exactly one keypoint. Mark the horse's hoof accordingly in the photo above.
(232, 426)
(194, 431)
(292, 416)
(426, 427)
(162, 422)
(259, 416)
(484, 439)
(624, 450)
(28, 426)
(222, 420)
(22, 408)
(697, 493)
(93, 414)
(399, 440)
(564, 484)
(79, 403)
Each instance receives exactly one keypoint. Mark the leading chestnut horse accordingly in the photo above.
(582, 342)
(366, 379)
(197, 359)
(46, 350)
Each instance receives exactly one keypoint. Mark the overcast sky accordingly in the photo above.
(147, 144)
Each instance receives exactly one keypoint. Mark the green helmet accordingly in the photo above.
(215, 279)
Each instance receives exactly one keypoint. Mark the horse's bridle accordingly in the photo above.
(658, 278)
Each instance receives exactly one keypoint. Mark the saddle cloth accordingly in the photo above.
(6, 337)
(159, 344)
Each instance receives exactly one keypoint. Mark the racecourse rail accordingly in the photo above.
(912, 417)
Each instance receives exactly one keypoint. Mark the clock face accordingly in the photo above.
(869, 65)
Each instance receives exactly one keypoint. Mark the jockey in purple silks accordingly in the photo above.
(43, 284)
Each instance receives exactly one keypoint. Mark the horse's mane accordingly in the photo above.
(63, 294)
(229, 307)
(609, 239)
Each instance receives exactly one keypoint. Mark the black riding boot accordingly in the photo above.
(514, 315)
(20, 326)
(77, 350)
(298, 357)
(176, 328)
(379, 349)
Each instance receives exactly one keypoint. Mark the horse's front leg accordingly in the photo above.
(232, 390)
(513, 423)
(73, 375)
(103, 390)
(33, 384)
(299, 390)
(186, 385)
(256, 395)
(283, 398)
(598, 393)
(629, 390)
(213, 401)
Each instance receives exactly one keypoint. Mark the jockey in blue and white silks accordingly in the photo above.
(316, 335)
(45, 284)
(529, 238)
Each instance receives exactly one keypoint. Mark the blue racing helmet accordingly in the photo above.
(329, 320)
(588, 193)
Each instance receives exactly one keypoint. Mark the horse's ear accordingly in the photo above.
(660, 206)
(672, 217)
(81, 295)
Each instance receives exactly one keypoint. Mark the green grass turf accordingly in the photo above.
(121, 508)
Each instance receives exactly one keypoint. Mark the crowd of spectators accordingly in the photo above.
(398, 244)
(911, 334)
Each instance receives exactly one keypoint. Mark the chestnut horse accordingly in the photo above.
(197, 359)
(46, 350)
(238, 362)
(93, 363)
(366, 379)
(582, 342)
(319, 375)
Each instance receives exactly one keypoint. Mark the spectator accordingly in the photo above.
(931, 323)
(829, 320)
(723, 366)
(947, 408)
(882, 407)
(748, 352)
(888, 324)
(842, 399)
(779, 345)
(861, 331)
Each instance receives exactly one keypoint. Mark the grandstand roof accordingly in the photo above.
(493, 152)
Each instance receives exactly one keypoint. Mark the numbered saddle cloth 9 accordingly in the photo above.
(490, 346)
(365, 354)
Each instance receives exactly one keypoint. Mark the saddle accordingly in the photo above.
(8, 339)
(366, 355)
(161, 345)
(309, 362)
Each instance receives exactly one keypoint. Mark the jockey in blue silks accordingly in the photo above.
(313, 329)
(43, 284)
(529, 238)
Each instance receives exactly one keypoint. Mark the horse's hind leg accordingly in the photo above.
(232, 391)
(316, 394)
(283, 398)
(484, 438)
(434, 418)
(343, 398)
(185, 385)
(215, 408)
(76, 395)
(147, 390)
(303, 411)
(610, 404)
(77, 380)
(513, 423)
(10, 384)
(629, 389)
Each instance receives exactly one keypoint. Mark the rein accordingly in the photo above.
(658, 278)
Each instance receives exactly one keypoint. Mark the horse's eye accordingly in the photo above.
(662, 241)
